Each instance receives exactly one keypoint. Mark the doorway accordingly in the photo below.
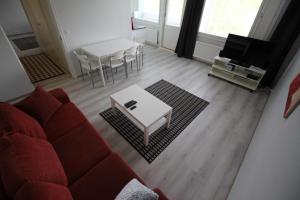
(40, 49)
(171, 23)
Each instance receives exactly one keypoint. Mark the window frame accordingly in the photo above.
(148, 20)
(262, 28)
(166, 14)
(259, 15)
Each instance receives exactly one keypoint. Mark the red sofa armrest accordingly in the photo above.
(160, 194)
(60, 95)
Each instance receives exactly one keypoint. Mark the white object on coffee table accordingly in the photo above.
(150, 113)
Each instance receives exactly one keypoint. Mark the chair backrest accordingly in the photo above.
(118, 55)
(83, 59)
(141, 48)
(132, 51)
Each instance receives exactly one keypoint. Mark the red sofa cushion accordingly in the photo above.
(80, 150)
(60, 95)
(40, 104)
(63, 121)
(43, 191)
(14, 120)
(104, 181)
(3, 195)
(25, 159)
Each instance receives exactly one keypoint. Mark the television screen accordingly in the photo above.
(247, 51)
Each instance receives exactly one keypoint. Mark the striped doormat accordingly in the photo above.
(186, 107)
(26, 43)
(39, 67)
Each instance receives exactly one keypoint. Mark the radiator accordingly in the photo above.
(151, 36)
(206, 52)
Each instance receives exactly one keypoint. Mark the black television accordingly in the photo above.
(246, 51)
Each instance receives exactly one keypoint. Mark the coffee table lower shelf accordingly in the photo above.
(164, 120)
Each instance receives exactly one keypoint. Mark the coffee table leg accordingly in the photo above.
(113, 105)
(169, 117)
(146, 135)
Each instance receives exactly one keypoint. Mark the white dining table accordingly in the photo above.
(107, 48)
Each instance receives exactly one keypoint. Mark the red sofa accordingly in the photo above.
(49, 150)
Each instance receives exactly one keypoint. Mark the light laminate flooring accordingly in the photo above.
(202, 162)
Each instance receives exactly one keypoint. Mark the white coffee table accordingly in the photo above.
(150, 112)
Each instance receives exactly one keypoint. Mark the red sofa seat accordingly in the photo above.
(80, 150)
(114, 173)
(93, 171)
(44, 191)
(67, 118)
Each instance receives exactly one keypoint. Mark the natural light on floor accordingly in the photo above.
(222, 17)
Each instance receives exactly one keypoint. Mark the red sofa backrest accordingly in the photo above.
(22, 137)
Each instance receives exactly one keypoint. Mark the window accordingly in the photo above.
(174, 12)
(231, 16)
(148, 10)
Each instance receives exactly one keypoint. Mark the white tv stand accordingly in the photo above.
(243, 76)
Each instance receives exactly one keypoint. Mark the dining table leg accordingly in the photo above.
(126, 72)
(102, 74)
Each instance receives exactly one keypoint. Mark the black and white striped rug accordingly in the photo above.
(186, 107)
(39, 67)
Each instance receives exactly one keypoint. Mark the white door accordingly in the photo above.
(42, 21)
(173, 17)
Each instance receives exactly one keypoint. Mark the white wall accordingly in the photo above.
(14, 81)
(271, 169)
(13, 18)
(89, 21)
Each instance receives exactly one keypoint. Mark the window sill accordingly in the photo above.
(146, 21)
(138, 28)
(173, 25)
(211, 37)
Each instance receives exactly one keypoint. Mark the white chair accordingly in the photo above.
(88, 64)
(131, 55)
(140, 51)
(117, 60)
(140, 54)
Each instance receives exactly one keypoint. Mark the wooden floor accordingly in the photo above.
(203, 161)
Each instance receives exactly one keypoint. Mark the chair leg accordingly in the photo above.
(131, 65)
(106, 73)
(92, 78)
(126, 72)
(137, 63)
(140, 63)
(142, 59)
(112, 75)
(81, 72)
